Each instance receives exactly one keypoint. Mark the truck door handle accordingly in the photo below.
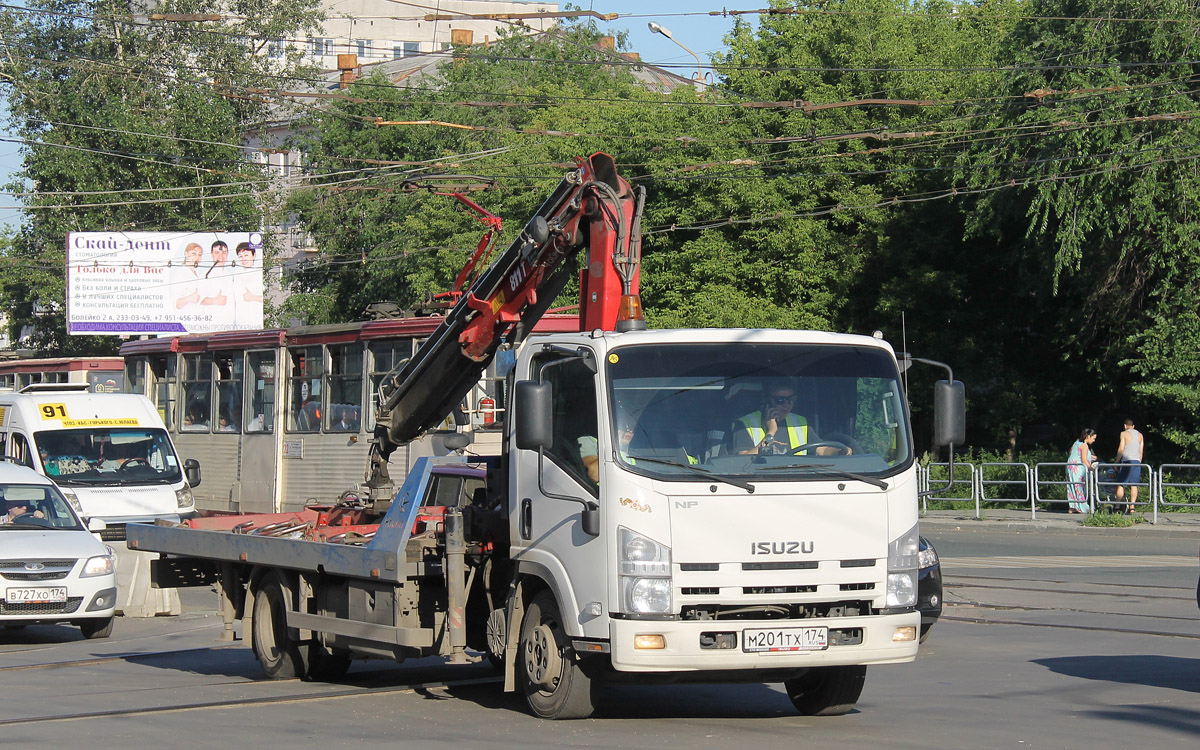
(526, 523)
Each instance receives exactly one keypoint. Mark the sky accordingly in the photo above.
(687, 20)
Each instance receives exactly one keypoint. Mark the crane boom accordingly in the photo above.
(592, 207)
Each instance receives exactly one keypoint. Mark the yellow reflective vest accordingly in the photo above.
(797, 428)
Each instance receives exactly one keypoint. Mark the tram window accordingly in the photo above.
(228, 369)
(135, 376)
(197, 390)
(262, 392)
(6, 382)
(385, 356)
(166, 379)
(345, 388)
(304, 389)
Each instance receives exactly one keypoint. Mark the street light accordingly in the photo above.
(660, 29)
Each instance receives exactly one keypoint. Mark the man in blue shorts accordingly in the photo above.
(1130, 451)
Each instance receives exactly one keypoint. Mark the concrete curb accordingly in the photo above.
(1166, 528)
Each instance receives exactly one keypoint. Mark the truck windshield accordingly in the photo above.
(108, 456)
(761, 412)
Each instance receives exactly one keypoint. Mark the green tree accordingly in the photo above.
(132, 124)
(1098, 234)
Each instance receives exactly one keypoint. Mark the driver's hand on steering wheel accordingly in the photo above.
(829, 450)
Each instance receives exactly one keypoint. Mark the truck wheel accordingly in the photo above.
(554, 685)
(827, 691)
(96, 628)
(278, 654)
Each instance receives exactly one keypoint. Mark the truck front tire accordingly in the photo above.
(275, 650)
(827, 691)
(550, 676)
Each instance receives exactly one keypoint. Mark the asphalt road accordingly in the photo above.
(1050, 639)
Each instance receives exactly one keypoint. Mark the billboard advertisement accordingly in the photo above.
(163, 283)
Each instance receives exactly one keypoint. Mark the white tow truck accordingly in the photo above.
(638, 525)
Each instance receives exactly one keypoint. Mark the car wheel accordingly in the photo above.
(275, 650)
(96, 628)
(553, 683)
(925, 631)
(827, 691)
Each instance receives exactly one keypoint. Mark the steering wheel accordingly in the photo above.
(133, 462)
(812, 446)
(32, 519)
(842, 437)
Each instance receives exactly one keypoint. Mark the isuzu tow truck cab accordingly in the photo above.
(638, 525)
(689, 558)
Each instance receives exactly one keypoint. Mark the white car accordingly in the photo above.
(52, 568)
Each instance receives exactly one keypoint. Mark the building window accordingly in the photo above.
(276, 48)
(411, 49)
(320, 46)
(364, 48)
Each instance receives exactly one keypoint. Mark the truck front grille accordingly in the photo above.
(765, 611)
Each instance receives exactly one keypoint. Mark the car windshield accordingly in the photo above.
(108, 456)
(758, 412)
(24, 506)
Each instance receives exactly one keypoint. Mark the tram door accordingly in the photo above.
(257, 490)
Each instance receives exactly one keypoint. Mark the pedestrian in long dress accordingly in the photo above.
(1079, 462)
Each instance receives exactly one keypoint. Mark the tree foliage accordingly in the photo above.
(131, 124)
(1005, 185)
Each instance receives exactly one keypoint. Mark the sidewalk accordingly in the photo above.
(1058, 522)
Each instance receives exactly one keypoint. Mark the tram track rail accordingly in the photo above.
(244, 702)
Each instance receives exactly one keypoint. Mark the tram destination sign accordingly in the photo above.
(164, 283)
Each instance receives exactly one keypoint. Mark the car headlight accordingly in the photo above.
(184, 497)
(903, 553)
(644, 569)
(100, 565)
(927, 558)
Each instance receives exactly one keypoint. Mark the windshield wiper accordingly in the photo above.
(699, 472)
(829, 471)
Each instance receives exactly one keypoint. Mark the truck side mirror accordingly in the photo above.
(949, 413)
(191, 470)
(534, 423)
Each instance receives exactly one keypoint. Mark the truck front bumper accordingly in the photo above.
(683, 651)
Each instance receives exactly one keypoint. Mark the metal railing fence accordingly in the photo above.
(1170, 486)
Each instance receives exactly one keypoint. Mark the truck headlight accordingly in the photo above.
(184, 497)
(644, 569)
(902, 569)
(100, 565)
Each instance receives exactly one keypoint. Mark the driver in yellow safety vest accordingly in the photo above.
(776, 430)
